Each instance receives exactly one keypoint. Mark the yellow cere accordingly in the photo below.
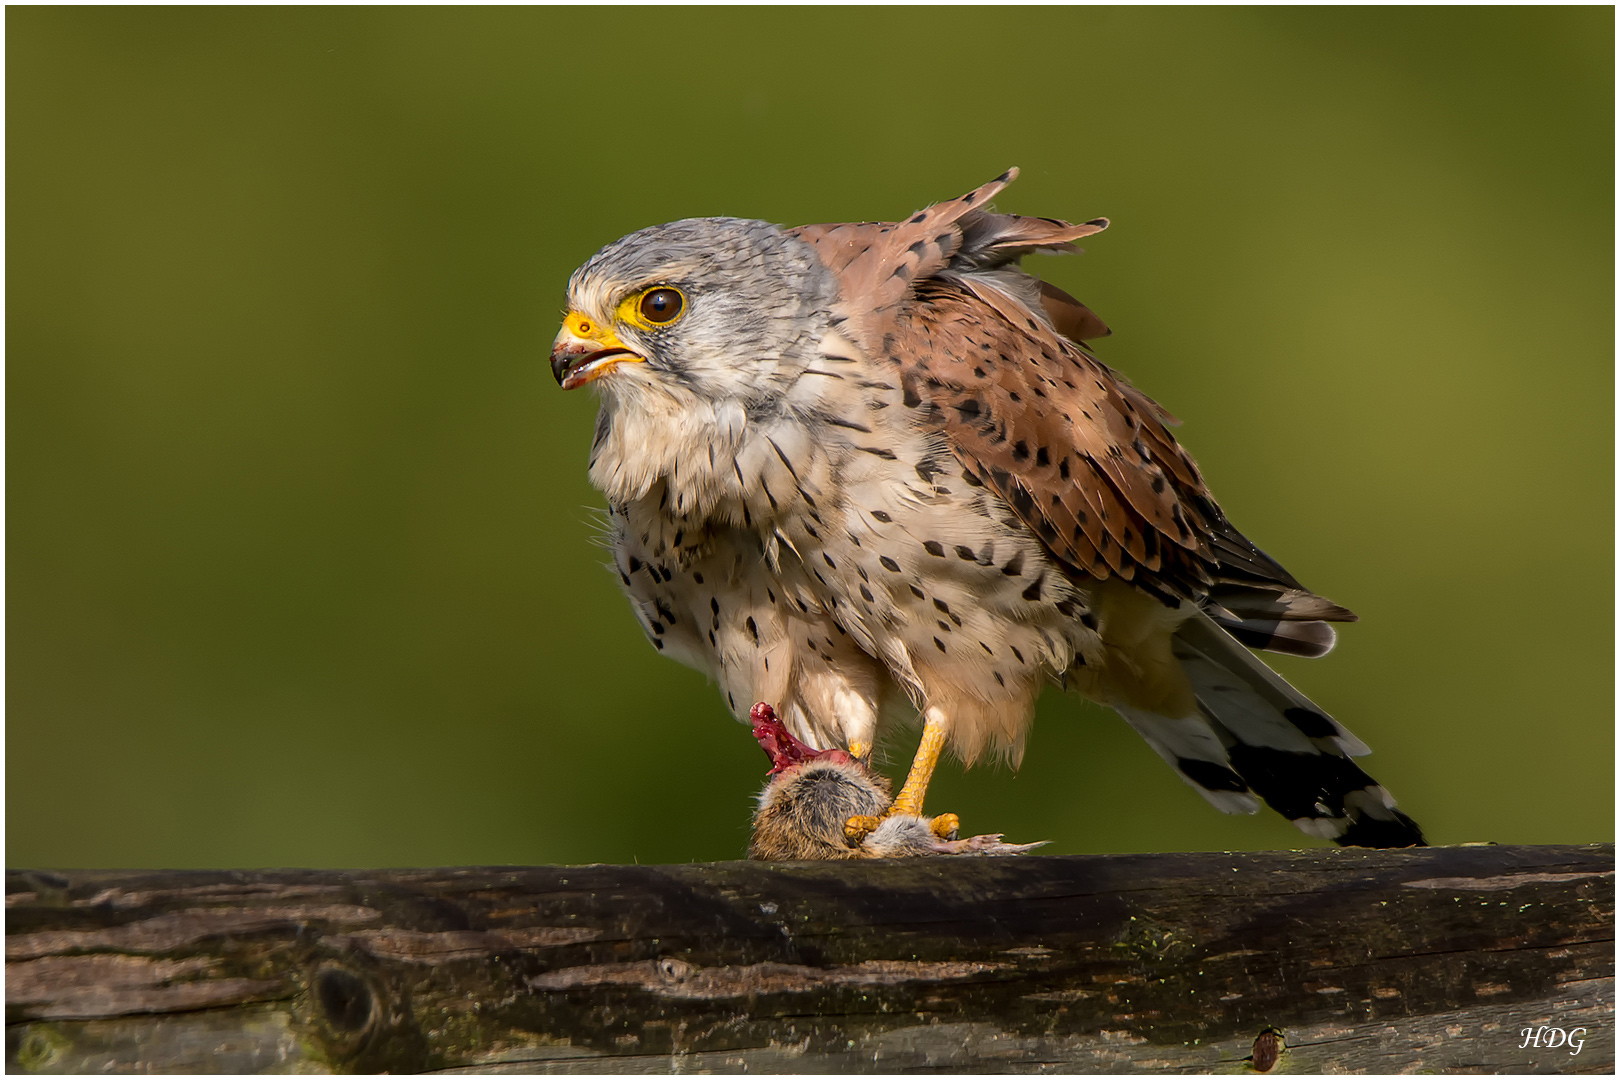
(582, 326)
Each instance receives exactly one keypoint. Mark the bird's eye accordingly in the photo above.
(662, 305)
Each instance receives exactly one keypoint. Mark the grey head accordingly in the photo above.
(718, 307)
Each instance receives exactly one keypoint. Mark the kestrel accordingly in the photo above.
(854, 470)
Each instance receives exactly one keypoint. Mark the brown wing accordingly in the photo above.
(878, 262)
(1080, 456)
(1069, 316)
(1083, 458)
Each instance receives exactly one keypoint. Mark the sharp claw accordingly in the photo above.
(859, 827)
(945, 826)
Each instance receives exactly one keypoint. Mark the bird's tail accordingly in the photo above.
(1283, 620)
(1255, 735)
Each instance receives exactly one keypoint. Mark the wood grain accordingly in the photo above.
(1426, 959)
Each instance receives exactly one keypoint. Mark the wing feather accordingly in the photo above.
(992, 359)
(1048, 428)
(879, 262)
(1069, 316)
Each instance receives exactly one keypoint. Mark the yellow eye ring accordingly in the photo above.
(654, 308)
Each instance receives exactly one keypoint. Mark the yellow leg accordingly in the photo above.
(910, 799)
(859, 749)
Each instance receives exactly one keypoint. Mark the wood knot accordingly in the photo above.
(347, 1005)
(673, 970)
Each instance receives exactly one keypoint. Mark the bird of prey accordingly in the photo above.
(856, 468)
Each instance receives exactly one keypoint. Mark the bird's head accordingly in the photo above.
(720, 307)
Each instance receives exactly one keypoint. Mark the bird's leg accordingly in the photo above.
(910, 799)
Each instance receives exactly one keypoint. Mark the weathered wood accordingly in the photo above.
(1429, 959)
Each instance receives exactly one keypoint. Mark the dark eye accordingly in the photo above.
(661, 305)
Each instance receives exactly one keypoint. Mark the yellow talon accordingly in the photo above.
(859, 827)
(910, 799)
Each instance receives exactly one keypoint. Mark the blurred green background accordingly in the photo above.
(300, 556)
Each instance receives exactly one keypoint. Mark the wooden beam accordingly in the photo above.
(1418, 960)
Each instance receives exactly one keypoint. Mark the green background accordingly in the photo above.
(300, 556)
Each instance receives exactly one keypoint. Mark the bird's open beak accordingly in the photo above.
(584, 351)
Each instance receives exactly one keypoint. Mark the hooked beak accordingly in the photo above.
(584, 352)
